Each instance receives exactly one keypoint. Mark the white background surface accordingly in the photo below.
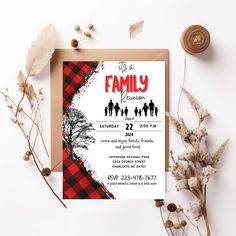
(26, 205)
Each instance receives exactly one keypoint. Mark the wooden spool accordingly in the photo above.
(195, 39)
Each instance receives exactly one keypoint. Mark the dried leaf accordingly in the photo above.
(30, 92)
(24, 86)
(219, 153)
(135, 29)
(41, 50)
(21, 81)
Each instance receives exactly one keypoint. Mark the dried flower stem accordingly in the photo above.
(190, 221)
(23, 95)
(31, 119)
(162, 218)
(180, 95)
(28, 138)
(181, 91)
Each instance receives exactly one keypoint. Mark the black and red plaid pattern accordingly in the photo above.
(75, 75)
(78, 182)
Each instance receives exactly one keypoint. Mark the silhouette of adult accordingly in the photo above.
(151, 107)
(105, 111)
(126, 111)
(145, 108)
(110, 107)
(140, 112)
(156, 111)
(116, 108)
(136, 111)
(122, 112)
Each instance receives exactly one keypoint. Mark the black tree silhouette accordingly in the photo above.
(76, 129)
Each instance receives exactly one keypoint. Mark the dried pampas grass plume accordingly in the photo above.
(218, 154)
(202, 112)
(175, 122)
(193, 102)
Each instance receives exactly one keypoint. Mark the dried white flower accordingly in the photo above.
(187, 155)
(196, 209)
(182, 184)
(193, 183)
(183, 166)
(176, 174)
(206, 173)
(200, 132)
(203, 113)
(208, 170)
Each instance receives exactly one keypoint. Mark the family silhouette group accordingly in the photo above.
(114, 108)
(153, 110)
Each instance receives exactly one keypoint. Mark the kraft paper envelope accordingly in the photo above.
(61, 55)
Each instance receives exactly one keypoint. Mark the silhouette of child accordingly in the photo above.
(136, 111)
(105, 111)
(126, 111)
(140, 112)
(156, 111)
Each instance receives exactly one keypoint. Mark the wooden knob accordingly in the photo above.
(195, 39)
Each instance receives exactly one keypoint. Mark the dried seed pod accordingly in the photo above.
(183, 223)
(46, 172)
(169, 224)
(77, 28)
(90, 26)
(74, 43)
(177, 225)
(159, 202)
(171, 207)
(179, 209)
(19, 109)
(28, 153)
(25, 157)
(88, 34)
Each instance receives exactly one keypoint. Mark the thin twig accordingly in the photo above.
(180, 95)
(34, 159)
(29, 117)
(162, 218)
(23, 95)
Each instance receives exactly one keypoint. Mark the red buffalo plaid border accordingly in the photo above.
(78, 182)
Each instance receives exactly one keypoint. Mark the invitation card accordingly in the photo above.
(115, 128)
